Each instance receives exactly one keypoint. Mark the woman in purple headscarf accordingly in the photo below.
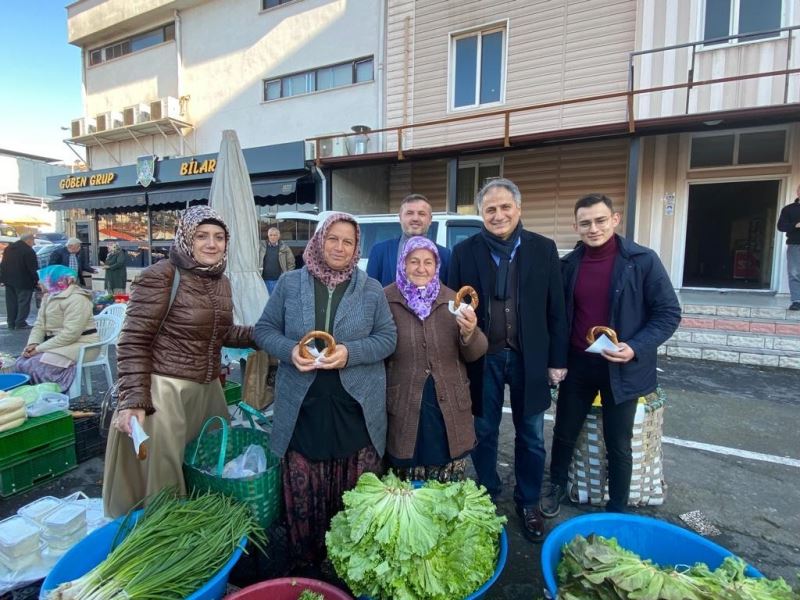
(430, 427)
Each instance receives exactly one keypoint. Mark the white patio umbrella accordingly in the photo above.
(232, 197)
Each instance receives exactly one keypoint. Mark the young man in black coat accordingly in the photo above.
(19, 276)
(609, 281)
(517, 276)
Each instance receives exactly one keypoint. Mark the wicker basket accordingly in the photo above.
(206, 456)
(588, 472)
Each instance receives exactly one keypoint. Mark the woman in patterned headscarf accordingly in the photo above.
(179, 316)
(430, 429)
(330, 413)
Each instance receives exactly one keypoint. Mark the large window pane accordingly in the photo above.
(325, 78)
(712, 151)
(718, 19)
(129, 230)
(487, 172)
(466, 71)
(140, 42)
(491, 66)
(759, 15)
(465, 186)
(762, 147)
(342, 75)
(297, 84)
(273, 89)
(364, 71)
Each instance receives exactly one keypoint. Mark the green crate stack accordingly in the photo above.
(40, 449)
(233, 392)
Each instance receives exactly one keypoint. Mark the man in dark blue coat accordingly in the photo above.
(72, 256)
(612, 282)
(517, 276)
(415, 219)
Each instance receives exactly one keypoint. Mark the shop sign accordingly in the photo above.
(74, 182)
(193, 167)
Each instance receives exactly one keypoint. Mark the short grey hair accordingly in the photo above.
(73, 241)
(498, 182)
(275, 229)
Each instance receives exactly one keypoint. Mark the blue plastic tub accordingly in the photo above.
(661, 542)
(9, 381)
(94, 548)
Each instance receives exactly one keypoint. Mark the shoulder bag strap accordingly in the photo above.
(176, 280)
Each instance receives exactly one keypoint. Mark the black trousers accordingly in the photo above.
(18, 306)
(588, 374)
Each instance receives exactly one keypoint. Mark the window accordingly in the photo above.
(471, 177)
(730, 17)
(745, 148)
(138, 42)
(265, 4)
(320, 79)
(477, 69)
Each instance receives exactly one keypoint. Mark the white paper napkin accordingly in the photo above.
(602, 343)
(137, 435)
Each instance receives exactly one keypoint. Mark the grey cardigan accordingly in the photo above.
(363, 323)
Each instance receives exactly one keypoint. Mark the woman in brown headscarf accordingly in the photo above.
(179, 316)
(330, 414)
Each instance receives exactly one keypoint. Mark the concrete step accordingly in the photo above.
(752, 354)
(739, 339)
(741, 313)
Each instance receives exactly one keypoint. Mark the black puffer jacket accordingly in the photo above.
(199, 324)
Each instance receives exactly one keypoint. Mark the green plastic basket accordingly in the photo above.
(205, 459)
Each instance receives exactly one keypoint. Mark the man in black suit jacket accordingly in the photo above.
(18, 273)
(518, 279)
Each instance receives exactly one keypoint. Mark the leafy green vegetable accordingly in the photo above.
(437, 542)
(596, 568)
(309, 595)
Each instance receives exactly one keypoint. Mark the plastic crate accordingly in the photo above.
(88, 441)
(35, 435)
(36, 468)
(233, 392)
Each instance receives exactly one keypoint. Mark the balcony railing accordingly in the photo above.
(501, 128)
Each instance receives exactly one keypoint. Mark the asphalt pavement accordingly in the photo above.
(731, 451)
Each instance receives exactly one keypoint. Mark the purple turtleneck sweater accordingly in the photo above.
(592, 300)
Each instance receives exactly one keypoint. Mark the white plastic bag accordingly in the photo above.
(251, 462)
(48, 402)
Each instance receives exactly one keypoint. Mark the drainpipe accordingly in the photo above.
(179, 61)
(380, 71)
(633, 183)
(324, 201)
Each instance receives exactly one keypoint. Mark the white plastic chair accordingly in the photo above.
(117, 310)
(108, 329)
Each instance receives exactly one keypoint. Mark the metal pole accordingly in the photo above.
(633, 182)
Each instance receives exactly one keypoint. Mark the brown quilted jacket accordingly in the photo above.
(432, 346)
(188, 346)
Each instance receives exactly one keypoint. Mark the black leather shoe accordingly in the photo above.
(550, 501)
(532, 524)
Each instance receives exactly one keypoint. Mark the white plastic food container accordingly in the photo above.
(23, 561)
(61, 543)
(64, 520)
(18, 537)
(39, 509)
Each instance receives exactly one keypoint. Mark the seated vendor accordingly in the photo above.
(63, 325)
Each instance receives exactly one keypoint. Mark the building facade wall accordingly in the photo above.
(223, 52)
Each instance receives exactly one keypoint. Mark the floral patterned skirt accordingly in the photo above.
(312, 491)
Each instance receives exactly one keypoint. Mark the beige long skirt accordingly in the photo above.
(181, 409)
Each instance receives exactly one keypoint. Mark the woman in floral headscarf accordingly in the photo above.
(63, 325)
(179, 316)
(330, 414)
(430, 429)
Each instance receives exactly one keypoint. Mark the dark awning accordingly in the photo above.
(100, 201)
(180, 195)
(277, 190)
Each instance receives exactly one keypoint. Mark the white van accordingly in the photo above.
(447, 229)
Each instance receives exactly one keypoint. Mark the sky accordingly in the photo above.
(41, 78)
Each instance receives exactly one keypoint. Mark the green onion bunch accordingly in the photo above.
(174, 549)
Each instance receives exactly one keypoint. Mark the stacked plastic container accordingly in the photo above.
(64, 527)
(20, 543)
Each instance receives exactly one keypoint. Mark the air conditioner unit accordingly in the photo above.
(165, 108)
(108, 120)
(333, 146)
(311, 151)
(83, 126)
(138, 113)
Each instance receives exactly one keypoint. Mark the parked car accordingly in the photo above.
(50, 237)
(44, 251)
(447, 229)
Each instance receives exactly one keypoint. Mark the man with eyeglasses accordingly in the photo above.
(609, 281)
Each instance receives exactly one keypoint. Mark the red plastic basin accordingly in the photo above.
(288, 588)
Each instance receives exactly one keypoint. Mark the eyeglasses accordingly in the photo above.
(599, 222)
